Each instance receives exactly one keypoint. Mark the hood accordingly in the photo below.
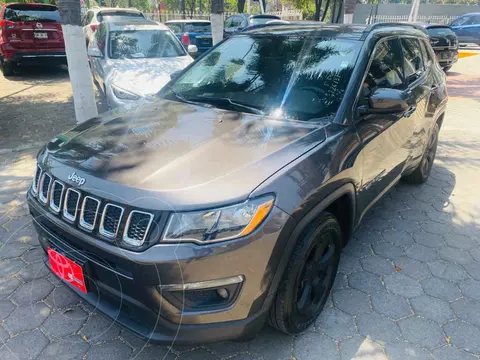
(186, 155)
(144, 76)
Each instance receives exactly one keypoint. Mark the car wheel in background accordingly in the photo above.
(309, 276)
(7, 68)
(423, 170)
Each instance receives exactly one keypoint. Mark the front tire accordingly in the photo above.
(309, 276)
(423, 170)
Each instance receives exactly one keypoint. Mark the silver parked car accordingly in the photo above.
(133, 60)
(96, 15)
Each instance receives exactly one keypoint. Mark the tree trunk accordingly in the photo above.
(241, 6)
(339, 12)
(182, 8)
(334, 10)
(318, 9)
(78, 69)
(216, 18)
(325, 11)
(349, 11)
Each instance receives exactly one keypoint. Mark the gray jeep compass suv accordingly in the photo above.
(226, 201)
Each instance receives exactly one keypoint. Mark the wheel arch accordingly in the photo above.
(344, 195)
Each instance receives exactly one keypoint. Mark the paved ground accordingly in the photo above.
(408, 285)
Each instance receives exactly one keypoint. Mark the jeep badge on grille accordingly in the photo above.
(76, 179)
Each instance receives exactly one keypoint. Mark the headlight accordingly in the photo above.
(218, 224)
(123, 94)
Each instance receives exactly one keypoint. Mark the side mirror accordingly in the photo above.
(192, 50)
(175, 74)
(94, 51)
(385, 101)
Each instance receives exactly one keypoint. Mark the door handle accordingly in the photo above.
(410, 111)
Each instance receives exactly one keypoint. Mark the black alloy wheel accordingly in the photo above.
(309, 276)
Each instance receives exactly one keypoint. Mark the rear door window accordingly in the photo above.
(26, 12)
(413, 62)
(427, 58)
(175, 27)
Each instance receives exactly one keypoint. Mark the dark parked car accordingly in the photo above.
(467, 28)
(238, 22)
(444, 43)
(226, 202)
(30, 34)
(193, 32)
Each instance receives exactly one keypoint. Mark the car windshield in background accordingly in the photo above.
(139, 44)
(439, 31)
(118, 17)
(288, 76)
(262, 20)
(198, 27)
(31, 13)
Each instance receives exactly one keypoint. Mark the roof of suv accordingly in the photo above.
(354, 31)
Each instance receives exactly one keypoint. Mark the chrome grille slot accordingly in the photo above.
(56, 196)
(88, 215)
(111, 217)
(45, 183)
(136, 228)
(36, 180)
(70, 206)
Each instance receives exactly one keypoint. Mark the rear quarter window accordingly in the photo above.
(26, 12)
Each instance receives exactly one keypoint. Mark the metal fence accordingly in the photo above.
(404, 18)
(166, 16)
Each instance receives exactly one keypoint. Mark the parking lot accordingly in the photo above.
(408, 285)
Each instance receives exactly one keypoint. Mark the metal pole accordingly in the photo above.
(262, 10)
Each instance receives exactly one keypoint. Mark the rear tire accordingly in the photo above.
(8, 68)
(309, 276)
(423, 170)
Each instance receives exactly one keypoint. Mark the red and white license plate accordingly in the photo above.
(67, 270)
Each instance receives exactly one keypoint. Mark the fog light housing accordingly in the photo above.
(204, 295)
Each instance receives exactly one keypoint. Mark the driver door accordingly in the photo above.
(384, 137)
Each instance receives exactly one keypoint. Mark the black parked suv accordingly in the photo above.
(444, 43)
(226, 201)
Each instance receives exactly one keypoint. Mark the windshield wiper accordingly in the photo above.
(231, 102)
(183, 99)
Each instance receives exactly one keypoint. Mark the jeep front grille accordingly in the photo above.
(56, 196)
(88, 216)
(137, 227)
(111, 217)
(70, 206)
(92, 214)
(45, 182)
(36, 180)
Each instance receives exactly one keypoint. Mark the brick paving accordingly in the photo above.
(408, 285)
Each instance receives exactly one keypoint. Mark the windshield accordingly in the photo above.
(139, 44)
(190, 27)
(439, 31)
(288, 76)
(31, 13)
(262, 20)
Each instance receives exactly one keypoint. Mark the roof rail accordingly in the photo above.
(372, 27)
(384, 24)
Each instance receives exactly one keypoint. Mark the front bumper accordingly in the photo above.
(124, 285)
